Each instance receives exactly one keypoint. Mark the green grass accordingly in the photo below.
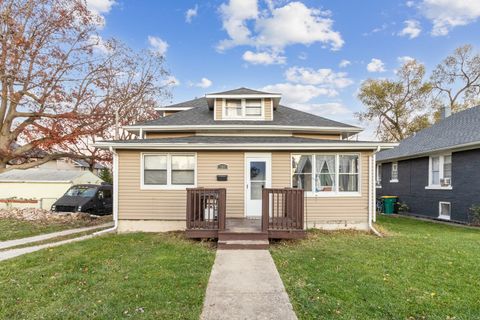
(130, 276)
(421, 270)
(15, 229)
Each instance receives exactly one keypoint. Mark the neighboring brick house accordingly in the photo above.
(436, 172)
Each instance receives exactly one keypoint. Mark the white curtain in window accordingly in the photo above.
(325, 172)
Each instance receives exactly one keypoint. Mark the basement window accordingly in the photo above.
(444, 210)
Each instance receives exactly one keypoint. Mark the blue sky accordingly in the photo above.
(292, 46)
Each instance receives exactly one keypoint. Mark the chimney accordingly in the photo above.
(446, 112)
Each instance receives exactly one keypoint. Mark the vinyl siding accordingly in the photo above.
(137, 204)
(156, 135)
(268, 109)
(325, 210)
(318, 136)
(218, 106)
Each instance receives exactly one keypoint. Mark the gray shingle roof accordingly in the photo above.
(238, 140)
(283, 116)
(241, 91)
(458, 129)
(197, 102)
(39, 174)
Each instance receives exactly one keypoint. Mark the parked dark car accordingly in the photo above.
(89, 198)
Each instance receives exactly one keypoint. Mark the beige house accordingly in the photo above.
(241, 158)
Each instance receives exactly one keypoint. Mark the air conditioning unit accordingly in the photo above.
(445, 182)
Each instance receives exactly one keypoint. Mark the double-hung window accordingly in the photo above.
(326, 173)
(233, 108)
(378, 180)
(163, 171)
(394, 172)
(440, 172)
(253, 108)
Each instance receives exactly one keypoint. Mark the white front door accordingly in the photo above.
(257, 176)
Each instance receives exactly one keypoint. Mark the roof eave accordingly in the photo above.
(456, 148)
(158, 128)
(247, 146)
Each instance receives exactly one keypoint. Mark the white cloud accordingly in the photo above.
(158, 45)
(325, 77)
(412, 29)
(263, 57)
(404, 59)
(344, 63)
(203, 83)
(170, 81)
(448, 14)
(191, 13)
(299, 93)
(99, 44)
(100, 6)
(376, 65)
(329, 110)
(275, 28)
(410, 3)
(234, 16)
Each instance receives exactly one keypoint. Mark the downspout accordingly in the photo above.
(115, 195)
(372, 195)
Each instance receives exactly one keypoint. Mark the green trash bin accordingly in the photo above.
(389, 204)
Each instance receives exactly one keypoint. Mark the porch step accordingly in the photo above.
(242, 244)
(234, 235)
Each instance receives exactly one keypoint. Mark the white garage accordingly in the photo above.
(39, 188)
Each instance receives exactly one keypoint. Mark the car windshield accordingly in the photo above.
(85, 192)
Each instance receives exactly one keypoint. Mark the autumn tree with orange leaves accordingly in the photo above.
(61, 84)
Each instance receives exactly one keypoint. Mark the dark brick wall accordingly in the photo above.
(413, 177)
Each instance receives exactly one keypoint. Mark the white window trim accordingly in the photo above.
(243, 105)
(441, 160)
(440, 216)
(378, 168)
(169, 185)
(327, 194)
(391, 173)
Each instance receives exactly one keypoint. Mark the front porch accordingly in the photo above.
(282, 216)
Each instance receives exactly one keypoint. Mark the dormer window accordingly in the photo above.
(233, 108)
(253, 108)
(243, 108)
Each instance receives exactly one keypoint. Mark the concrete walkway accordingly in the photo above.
(245, 284)
(12, 253)
(47, 236)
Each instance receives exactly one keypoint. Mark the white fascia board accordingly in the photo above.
(243, 96)
(457, 148)
(246, 146)
(243, 127)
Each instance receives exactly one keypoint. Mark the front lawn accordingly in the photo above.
(129, 276)
(421, 270)
(11, 228)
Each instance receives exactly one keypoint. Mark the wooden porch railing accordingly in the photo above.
(206, 209)
(282, 210)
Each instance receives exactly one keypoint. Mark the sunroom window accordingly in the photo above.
(348, 173)
(334, 173)
(325, 173)
(302, 172)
